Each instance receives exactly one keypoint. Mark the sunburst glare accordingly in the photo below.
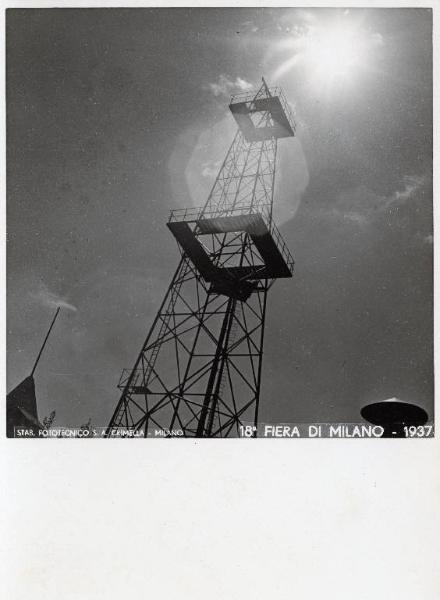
(333, 52)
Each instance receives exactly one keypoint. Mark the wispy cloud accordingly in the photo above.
(225, 85)
(50, 299)
(361, 205)
(410, 185)
(248, 27)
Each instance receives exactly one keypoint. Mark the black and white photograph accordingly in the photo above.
(219, 222)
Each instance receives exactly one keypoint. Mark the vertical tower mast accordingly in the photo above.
(199, 370)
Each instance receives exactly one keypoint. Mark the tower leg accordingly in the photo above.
(199, 371)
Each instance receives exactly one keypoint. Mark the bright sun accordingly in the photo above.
(331, 54)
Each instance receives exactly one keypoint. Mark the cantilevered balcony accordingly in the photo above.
(187, 225)
(248, 110)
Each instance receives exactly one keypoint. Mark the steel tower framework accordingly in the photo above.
(198, 373)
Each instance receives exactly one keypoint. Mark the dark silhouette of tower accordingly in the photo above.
(199, 370)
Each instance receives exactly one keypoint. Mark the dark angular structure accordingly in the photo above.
(199, 370)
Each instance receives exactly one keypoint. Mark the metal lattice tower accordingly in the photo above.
(199, 370)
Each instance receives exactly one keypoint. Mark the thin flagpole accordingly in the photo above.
(44, 343)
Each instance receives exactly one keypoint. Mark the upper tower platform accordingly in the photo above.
(263, 114)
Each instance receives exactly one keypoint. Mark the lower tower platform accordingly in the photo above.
(267, 258)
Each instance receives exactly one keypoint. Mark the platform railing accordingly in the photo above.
(125, 377)
(250, 96)
(288, 112)
(194, 214)
(282, 247)
(185, 214)
(273, 92)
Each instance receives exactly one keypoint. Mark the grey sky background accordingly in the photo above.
(116, 116)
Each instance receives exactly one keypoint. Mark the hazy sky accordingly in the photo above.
(115, 116)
